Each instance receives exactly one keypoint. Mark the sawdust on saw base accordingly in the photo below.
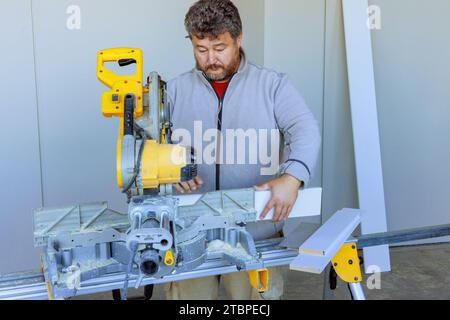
(221, 246)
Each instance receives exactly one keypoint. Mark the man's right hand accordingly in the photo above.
(189, 186)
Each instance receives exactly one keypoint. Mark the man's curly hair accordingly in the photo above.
(211, 18)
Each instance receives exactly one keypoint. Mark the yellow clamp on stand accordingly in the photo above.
(168, 258)
(259, 279)
(346, 264)
(47, 285)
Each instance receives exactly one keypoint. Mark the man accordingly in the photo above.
(227, 92)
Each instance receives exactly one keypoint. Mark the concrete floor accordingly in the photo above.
(421, 272)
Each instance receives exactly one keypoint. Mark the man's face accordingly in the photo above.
(219, 57)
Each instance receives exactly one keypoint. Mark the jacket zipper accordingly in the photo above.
(219, 129)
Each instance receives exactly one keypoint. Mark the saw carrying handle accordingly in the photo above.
(112, 102)
(124, 57)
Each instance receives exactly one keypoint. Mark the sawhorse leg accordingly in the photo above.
(357, 291)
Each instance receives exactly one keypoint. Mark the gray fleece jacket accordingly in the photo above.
(258, 102)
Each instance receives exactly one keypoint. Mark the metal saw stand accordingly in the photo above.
(347, 265)
(31, 286)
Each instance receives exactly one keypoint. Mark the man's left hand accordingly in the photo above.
(284, 194)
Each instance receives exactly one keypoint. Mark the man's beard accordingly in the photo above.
(227, 72)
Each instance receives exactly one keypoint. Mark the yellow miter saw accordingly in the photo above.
(146, 161)
(162, 236)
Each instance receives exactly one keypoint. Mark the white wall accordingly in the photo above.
(20, 174)
(412, 74)
(294, 44)
(252, 15)
(339, 180)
